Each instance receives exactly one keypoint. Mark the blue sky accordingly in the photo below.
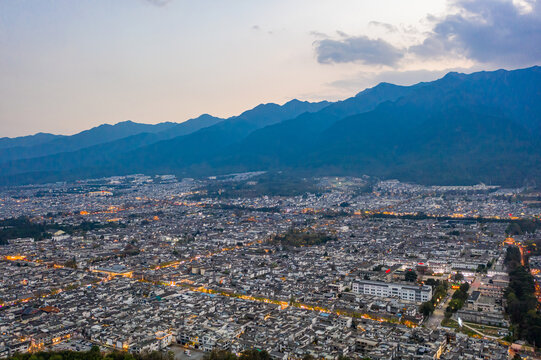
(69, 65)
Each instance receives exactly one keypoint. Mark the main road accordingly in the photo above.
(439, 312)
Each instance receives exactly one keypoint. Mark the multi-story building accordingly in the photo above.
(418, 293)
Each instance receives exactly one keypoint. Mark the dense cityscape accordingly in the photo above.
(326, 268)
(270, 180)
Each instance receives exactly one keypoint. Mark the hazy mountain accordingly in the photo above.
(449, 145)
(198, 147)
(70, 162)
(103, 154)
(29, 140)
(486, 125)
(293, 137)
(97, 135)
(458, 129)
(114, 157)
(189, 126)
(509, 94)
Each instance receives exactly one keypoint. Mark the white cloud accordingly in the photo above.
(357, 49)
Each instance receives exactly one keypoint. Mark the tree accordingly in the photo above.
(464, 288)
(522, 226)
(411, 276)
(254, 354)
(427, 308)
(94, 353)
(513, 257)
(71, 263)
(220, 355)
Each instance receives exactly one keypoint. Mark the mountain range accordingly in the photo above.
(460, 129)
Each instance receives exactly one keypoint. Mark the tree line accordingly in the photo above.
(22, 227)
(93, 354)
(522, 305)
(296, 238)
(438, 294)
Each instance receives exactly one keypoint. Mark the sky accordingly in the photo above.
(66, 65)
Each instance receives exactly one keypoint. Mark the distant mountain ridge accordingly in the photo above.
(376, 142)
(97, 135)
(29, 140)
(190, 126)
(460, 129)
(188, 138)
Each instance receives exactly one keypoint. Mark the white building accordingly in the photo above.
(60, 235)
(417, 293)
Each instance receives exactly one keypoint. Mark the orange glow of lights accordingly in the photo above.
(15, 257)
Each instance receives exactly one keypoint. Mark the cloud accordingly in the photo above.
(357, 49)
(159, 3)
(505, 33)
(388, 27)
(258, 28)
(501, 32)
(318, 34)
